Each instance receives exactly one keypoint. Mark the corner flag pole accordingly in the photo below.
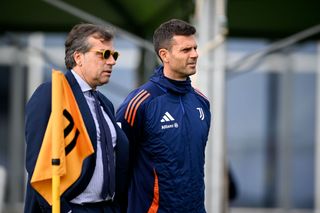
(57, 138)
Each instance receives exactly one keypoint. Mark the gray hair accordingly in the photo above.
(77, 40)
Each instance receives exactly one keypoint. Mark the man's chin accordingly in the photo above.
(192, 71)
(103, 81)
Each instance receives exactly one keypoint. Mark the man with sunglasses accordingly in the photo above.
(101, 187)
(167, 123)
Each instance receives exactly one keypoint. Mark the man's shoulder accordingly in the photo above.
(200, 95)
(42, 91)
(144, 94)
(137, 101)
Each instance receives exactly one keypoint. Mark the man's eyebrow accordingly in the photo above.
(189, 47)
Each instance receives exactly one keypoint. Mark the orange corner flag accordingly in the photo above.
(66, 142)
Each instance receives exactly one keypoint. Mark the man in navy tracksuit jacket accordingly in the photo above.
(167, 123)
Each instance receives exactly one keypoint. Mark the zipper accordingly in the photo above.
(181, 104)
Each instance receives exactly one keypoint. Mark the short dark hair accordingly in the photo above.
(77, 40)
(164, 33)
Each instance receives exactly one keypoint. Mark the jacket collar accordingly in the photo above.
(178, 87)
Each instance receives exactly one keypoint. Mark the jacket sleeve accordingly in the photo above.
(131, 116)
(37, 114)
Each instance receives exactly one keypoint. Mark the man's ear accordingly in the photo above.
(77, 57)
(163, 53)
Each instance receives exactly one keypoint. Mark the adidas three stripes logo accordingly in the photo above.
(167, 117)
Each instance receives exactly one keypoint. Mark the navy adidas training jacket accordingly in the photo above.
(167, 123)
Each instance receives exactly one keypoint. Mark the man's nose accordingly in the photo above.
(194, 53)
(111, 60)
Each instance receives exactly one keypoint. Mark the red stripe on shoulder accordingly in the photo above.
(134, 105)
(137, 106)
(130, 103)
(200, 93)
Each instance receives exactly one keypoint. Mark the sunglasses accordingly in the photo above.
(107, 53)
